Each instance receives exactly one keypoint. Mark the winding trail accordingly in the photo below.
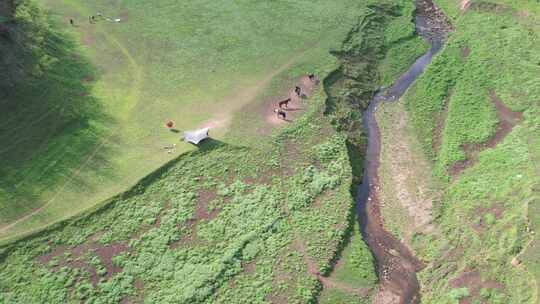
(397, 266)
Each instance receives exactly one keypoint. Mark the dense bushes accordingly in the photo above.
(376, 51)
(193, 229)
(25, 43)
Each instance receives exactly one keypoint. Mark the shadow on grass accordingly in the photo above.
(48, 128)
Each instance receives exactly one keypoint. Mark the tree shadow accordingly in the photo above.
(48, 126)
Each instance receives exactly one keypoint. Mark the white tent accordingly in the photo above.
(196, 136)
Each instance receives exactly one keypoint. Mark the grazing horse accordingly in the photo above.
(284, 103)
(298, 90)
(281, 114)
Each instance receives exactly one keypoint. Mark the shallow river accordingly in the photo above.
(396, 265)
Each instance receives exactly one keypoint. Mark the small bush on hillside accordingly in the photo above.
(458, 293)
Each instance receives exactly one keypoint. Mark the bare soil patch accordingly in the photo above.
(508, 119)
(275, 298)
(202, 212)
(77, 257)
(472, 280)
(203, 200)
(464, 5)
(296, 105)
(106, 253)
(248, 267)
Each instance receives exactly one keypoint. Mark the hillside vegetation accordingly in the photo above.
(244, 225)
(92, 125)
(255, 223)
(476, 114)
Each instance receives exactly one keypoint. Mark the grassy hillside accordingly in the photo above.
(253, 223)
(244, 225)
(93, 125)
(49, 119)
(475, 112)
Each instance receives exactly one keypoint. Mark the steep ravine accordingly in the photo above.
(396, 265)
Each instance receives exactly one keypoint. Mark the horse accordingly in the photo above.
(298, 90)
(281, 113)
(284, 102)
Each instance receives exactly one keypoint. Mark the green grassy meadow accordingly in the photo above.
(195, 63)
(256, 225)
(254, 215)
(485, 251)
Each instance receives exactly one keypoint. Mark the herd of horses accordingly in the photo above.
(282, 114)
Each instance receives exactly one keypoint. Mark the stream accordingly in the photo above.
(396, 264)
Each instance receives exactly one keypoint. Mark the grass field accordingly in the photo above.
(195, 63)
(485, 251)
(223, 216)
(256, 215)
(259, 213)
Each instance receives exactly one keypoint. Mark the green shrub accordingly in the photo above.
(457, 294)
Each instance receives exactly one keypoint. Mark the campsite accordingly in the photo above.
(332, 152)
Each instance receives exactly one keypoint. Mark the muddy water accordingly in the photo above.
(396, 265)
